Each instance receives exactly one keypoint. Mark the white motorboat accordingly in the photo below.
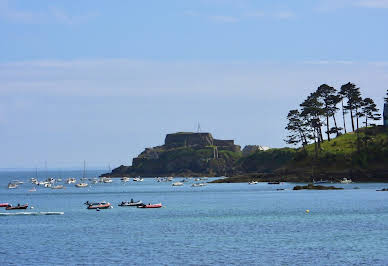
(198, 185)
(138, 179)
(108, 180)
(47, 184)
(71, 180)
(253, 183)
(177, 184)
(170, 178)
(12, 185)
(81, 185)
(345, 181)
(58, 187)
(125, 179)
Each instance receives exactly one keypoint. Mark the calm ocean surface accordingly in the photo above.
(218, 224)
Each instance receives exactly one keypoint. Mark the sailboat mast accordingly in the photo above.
(83, 175)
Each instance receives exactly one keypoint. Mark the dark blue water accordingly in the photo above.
(217, 224)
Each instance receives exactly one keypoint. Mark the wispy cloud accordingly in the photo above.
(257, 14)
(224, 19)
(49, 15)
(284, 15)
(373, 3)
(330, 5)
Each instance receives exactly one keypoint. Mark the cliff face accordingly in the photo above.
(185, 154)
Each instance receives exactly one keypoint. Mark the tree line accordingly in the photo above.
(316, 116)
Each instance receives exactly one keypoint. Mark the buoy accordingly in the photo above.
(307, 211)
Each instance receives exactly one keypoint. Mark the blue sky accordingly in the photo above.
(100, 81)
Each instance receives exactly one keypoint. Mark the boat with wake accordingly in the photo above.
(17, 207)
(150, 206)
(131, 203)
(99, 205)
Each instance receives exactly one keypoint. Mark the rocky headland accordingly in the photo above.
(361, 156)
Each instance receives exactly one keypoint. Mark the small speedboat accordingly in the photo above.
(157, 205)
(3, 205)
(177, 184)
(253, 183)
(138, 179)
(131, 203)
(17, 207)
(99, 205)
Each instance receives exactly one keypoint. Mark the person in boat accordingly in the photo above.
(131, 200)
(18, 204)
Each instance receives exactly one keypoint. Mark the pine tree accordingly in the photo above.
(328, 96)
(370, 111)
(297, 129)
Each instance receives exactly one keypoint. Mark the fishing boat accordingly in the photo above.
(345, 181)
(99, 205)
(149, 205)
(3, 205)
(81, 185)
(177, 184)
(12, 185)
(17, 207)
(131, 203)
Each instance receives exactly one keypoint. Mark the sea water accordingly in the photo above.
(233, 224)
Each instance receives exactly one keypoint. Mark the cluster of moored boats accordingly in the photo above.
(131, 203)
(183, 181)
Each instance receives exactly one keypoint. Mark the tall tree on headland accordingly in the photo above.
(354, 100)
(311, 112)
(297, 129)
(370, 111)
(327, 95)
